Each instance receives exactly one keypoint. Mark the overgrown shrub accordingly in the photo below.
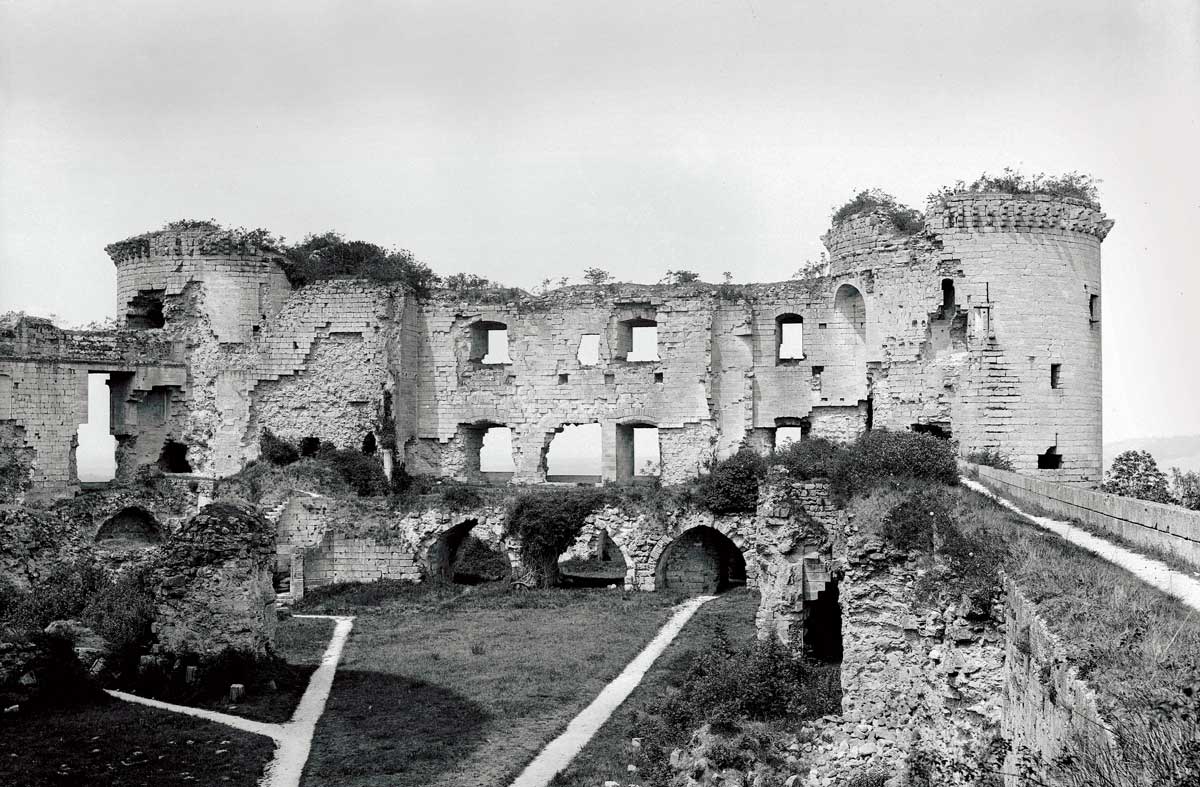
(903, 218)
(1074, 185)
(990, 457)
(885, 457)
(330, 256)
(459, 497)
(275, 450)
(61, 595)
(545, 523)
(914, 522)
(730, 485)
(476, 561)
(726, 686)
(122, 613)
(362, 473)
(810, 458)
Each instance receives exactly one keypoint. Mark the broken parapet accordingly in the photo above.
(214, 584)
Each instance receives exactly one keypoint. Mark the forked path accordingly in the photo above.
(1152, 572)
(294, 738)
(560, 751)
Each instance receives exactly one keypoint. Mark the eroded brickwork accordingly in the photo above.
(984, 327)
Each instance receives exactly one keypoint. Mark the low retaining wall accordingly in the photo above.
(342, 559)
(1172, 528)
(1047, 709)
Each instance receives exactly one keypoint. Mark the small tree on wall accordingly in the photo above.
(1136, 474)
(546, 523)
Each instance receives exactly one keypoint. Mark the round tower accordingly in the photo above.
(1026, 270)
(229, 277)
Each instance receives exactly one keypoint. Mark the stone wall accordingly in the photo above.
(214, 588)
(1171, 528)
(914, 674)
(1048, 710)
(955, 328)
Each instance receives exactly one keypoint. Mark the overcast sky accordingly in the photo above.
(535, 139)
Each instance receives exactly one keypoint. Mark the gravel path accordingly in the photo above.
(1150, 571)
(560, 751)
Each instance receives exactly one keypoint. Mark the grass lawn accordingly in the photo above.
(439, 687)
(300, 642)
(121, 744)
(606, 757)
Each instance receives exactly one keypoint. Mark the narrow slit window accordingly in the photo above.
(1056, 375)
(1094, 308)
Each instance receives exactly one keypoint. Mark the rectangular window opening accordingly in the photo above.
(1056, 375)
(562, 379)
(589, 349)
(497, 347)
(644, 343)
(647, 455)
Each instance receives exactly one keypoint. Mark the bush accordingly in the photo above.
(730, 485)
(476, 561)
(275, 450)
(330, 256)
(915, 521)
(1073, 185)
(361, 473)
(545, 523)
(459, 497)
(122, 613)
(60, 595)
(990, 457)
(883, 457)
(811, 458)
(905, 219)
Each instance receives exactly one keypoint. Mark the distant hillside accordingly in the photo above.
(1182, 452)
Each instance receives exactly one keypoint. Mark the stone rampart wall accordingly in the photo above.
(1046, 706)
(1172, 528)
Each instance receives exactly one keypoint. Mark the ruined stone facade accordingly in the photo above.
(986, 327)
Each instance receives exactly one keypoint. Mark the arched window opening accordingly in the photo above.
(639, 339)
(1051, 460)
(602, 565)
(145, 310)
(368, 444)
(789, 338)
(589, 349)
(173, 458)
(949, 307)
(574, 455)
(639, 456)
(489, 343)
(461, 557)
(96, 448)
(851, 308)
(129, 528)
(702, 560)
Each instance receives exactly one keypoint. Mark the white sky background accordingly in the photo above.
(535, 139)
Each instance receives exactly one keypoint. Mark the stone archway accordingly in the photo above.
(707, 557)
(444, 557)
(132, 527)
